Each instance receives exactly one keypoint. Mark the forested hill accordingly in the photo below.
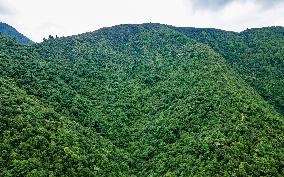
(8, 30)
(257, 55)
(132, 100)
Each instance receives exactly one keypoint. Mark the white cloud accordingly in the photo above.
(239, 15)
(39, 18)
(219, 4)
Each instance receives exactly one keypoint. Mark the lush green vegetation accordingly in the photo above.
(8, 30)
(131, 100)
(37, 141)
(257, 55)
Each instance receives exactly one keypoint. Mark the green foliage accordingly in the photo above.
(37, 141)
(256, 55)
(140, 100)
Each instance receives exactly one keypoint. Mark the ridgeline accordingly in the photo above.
(143, 100)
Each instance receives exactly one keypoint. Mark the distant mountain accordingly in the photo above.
(138, 100)
(8, 30)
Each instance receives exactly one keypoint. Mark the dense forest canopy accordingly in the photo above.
(257, 55)
(143, 100)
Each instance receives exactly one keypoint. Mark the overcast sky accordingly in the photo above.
(38, 18)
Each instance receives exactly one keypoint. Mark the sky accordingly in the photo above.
(37, 19)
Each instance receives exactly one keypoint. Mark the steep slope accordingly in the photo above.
(263, 66)
(256, 55)
(8, 30)
(172, 105)
(37, 141)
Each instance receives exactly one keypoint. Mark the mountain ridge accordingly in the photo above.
(146, 99)
(251, 53)
(10, 31)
